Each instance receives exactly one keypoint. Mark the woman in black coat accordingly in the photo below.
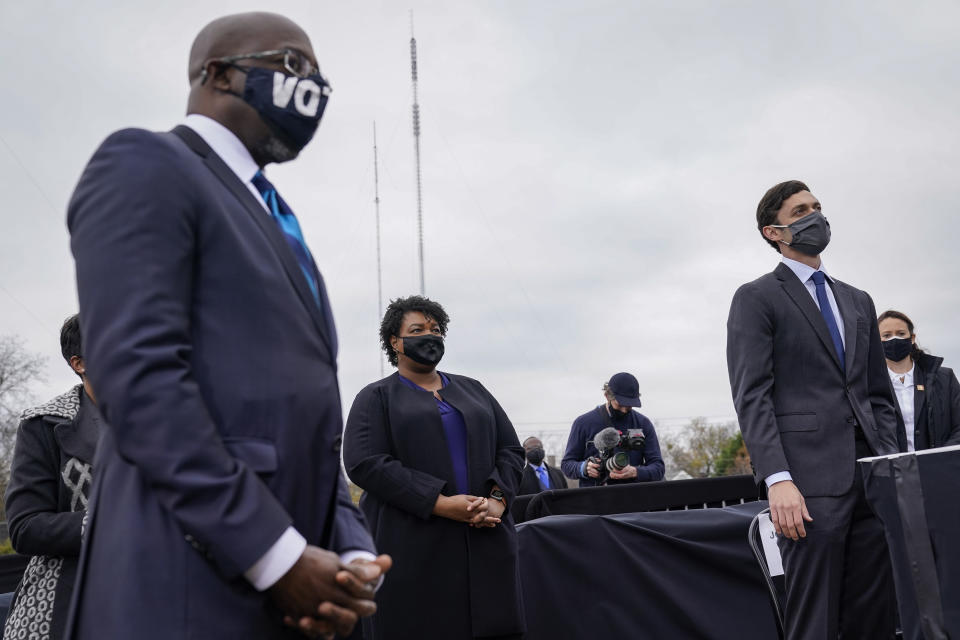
(439, 463)
(928, 394)
(46, 499)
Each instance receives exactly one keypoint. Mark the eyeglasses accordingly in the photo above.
(293, 61)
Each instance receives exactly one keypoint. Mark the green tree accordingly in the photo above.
(734, 460)
(707, 450)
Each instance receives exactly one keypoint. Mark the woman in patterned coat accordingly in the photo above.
(47, 499)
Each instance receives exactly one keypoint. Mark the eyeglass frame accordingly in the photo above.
(273, 52)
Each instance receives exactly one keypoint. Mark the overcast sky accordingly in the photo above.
(591, 172)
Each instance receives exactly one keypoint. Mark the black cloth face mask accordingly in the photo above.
(896, 349)
(810, 234)
(426, 349)
(536, 456)
(290, 106)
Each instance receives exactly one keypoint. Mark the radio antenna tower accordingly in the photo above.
(376, 204)
(416, 148)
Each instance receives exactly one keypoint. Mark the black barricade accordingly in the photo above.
(670, 495)
(915, 496)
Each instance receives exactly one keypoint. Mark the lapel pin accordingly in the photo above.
(919, 387)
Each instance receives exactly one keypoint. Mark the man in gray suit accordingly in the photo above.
(812, 395)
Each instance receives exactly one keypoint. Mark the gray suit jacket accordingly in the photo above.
(797, 408)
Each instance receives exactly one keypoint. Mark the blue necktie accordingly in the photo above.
(544, 478)
(819, 280)
(283, 214)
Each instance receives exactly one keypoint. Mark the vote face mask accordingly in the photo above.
(290, 106)
(896, 349)
(535, 456)
(810, 234)
(426, 349)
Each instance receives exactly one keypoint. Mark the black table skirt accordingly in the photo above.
(676, 574)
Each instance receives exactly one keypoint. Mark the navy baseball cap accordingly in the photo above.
(625, 389)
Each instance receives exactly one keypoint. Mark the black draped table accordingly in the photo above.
(915, 496)
(673, 574)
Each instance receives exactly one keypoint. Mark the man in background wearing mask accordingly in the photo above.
(621, 393)
(812, 395)
(537, 474)
(219, 509)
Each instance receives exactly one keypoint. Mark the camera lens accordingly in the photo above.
(618, 461)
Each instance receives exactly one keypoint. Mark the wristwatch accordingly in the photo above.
(496, 494)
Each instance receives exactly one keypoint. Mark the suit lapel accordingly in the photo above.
(802, 298)
(270, 230)
(849, 314)
(920, 379)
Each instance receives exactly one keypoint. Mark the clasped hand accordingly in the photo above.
(321, 596)
(473, 510)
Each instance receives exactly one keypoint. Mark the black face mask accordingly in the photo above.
(619, 416)
(896, 349)
(536, 456)
(810, 234)
(290, 106)
(426, 349)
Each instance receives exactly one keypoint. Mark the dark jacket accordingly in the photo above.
(215, 369)
(648, 462)
(530, 483)
(449, 580)
(46, 504)
(936, 406)
(798, 408)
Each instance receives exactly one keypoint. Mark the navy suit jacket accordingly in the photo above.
(216, 371)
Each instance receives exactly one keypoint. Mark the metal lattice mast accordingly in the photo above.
(416, 149)
(376, 204)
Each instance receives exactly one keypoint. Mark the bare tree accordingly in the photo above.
(19, 370)
(704, 450)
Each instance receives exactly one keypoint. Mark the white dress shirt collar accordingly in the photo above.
(907, 377)
(225, 144)
(804, 271)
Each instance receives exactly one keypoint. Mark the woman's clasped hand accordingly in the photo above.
(473, 510)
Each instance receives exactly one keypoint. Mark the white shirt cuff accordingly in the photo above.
(277, 560)
(349, 556)
(780, 476)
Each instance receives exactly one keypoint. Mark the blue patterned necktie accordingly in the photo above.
(819, 279)
(544, 478)
(284, 217)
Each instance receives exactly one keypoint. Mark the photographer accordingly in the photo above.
(582, 459)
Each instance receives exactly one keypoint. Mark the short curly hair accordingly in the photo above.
(771, 202)
(393, 320)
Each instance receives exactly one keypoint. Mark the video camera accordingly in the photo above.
(613, 447)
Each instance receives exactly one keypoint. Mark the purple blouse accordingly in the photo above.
(455, 430)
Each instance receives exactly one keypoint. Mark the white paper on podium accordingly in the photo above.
(770, 549)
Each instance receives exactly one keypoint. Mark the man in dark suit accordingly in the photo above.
(537, 474)
(811, 392)
(219, 508)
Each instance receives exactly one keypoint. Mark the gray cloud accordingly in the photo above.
(591, 172)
